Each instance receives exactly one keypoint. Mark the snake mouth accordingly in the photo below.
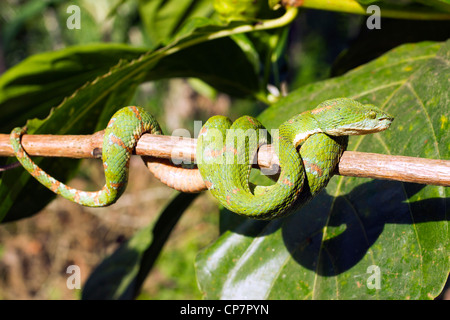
(386, 121)
(383, 124)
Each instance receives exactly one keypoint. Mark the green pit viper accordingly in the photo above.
(308, 147)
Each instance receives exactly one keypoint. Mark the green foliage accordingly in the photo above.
(246, 10)
(162, 19)
(324, 250)
(112, 83)
(121, 275)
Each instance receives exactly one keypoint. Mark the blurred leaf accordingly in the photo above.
(121, 275)
(162, 19)
(239, 9)
(330, 247)
(27, 11)
(367, 2)
(31, 88)
(210, 62)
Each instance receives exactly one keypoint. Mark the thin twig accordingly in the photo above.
(10, 166)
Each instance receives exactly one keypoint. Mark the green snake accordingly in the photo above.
(308, 147)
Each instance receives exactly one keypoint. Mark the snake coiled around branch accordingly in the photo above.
(308, 146)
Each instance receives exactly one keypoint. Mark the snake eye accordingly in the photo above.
(372, 115)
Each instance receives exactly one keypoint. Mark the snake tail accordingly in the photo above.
(121, 135)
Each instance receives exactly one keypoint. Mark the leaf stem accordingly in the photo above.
(388, 11)
(285, 19)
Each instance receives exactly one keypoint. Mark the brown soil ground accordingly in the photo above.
(35, 252)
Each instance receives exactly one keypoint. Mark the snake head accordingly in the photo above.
(375, 119)
(354, 118)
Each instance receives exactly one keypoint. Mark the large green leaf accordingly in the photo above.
(356, 229)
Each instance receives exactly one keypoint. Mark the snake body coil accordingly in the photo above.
(225, 152)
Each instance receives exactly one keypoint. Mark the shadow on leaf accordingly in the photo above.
(331, 235)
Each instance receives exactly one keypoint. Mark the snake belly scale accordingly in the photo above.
(308, 147)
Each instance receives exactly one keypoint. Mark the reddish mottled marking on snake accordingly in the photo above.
(233, 150)
(119, 142)
(97, 198)
(111, 121)
(20, 153)
(36, 171)
(138, 115)
(215, 153)
(116, 185)
(250, 119)
(136, 112)
(208, 184)
(55, 185)
(320, 110)
(203, 130)
(287, 182)
(313, 168)
(76, 196)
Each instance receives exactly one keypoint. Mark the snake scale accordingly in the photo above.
(308, 147)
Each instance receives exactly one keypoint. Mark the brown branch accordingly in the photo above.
(354, 164)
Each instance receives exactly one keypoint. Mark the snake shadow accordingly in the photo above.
(330, 235)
